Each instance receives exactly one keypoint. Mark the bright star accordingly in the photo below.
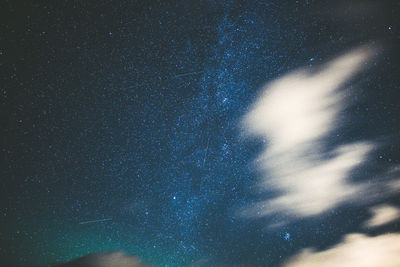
(287, 236)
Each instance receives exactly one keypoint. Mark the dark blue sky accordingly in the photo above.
(131, 111)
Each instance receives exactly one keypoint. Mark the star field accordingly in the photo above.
(122, 126)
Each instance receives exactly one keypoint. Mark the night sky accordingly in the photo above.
(129, 125)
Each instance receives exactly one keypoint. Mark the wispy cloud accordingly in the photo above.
(297, 114)
(105, 259)
(382, 215)
(355, 250)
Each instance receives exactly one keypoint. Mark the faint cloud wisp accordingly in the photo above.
(382, 215)
(106, 259)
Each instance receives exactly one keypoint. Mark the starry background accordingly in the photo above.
(129, 111)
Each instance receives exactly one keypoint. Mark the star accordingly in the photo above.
(286, 236)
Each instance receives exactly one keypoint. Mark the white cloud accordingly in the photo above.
(302, 107)
(297, 114)
(383, 214)
(356, 250)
